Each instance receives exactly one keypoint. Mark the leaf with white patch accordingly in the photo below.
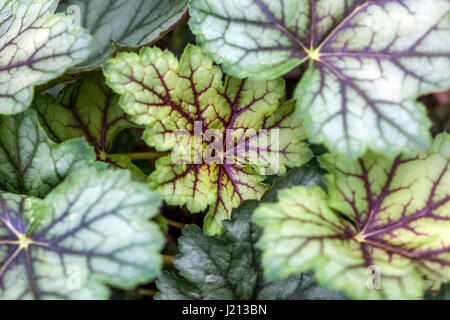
(87, 108)
(363, 78)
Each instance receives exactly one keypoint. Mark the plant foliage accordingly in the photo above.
(30, 163)
(211, 267)
(285, 154)
(86, 108)
(79, 237)
(367, 62)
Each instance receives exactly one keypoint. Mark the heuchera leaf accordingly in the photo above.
(211, 267)
(89, 231)
(187, 108)
(383, 231)
(124, 22)
(30, 163)
(363, 78)
(86, 108)
(35, 47)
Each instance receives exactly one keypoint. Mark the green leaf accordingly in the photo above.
(30, 163)
(86, 108)
(364, 77)
(383, 231)
(310, 290)
(88, 232)
(224, 136)
(211, 267)
(124, 162)
(35, 47)
(125, 23)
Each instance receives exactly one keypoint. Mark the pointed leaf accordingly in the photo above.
(364, 77)
(127, 23)
(87, 232)
(35, 47)
(383, 231)
(32, 164)
(224, 136)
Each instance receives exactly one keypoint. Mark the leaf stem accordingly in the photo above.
(142, 155)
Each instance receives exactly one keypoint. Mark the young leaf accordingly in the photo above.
(364, 77)
(89, 231)
(211, 268)
(127, 23)
(30, 163)
(382, 232)
(223, 136)
(86, 108)
(36, 46)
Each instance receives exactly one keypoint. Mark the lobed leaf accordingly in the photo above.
(383, 230)
(363, 78)
(89, 231)
(224, 136)
(31, 164)
(35, 47)
(123, 22)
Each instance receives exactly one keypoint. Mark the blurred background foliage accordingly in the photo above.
(175, 218)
